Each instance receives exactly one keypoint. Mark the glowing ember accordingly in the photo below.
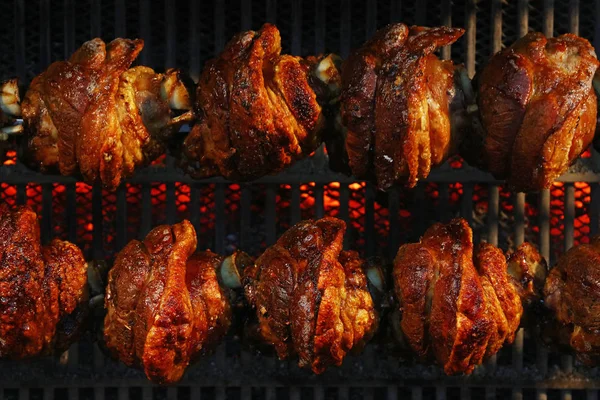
(8, 194)
(160, 161)
(428, 200)
(11, 158)
(587, 153)
(456, 162)
(307, 199)
(331, 199)
(182, 197)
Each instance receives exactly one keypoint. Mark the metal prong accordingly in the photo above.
(467, 88)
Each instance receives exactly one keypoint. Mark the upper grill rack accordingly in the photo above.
(251, 216)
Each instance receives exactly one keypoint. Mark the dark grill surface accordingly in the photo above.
(251, 216)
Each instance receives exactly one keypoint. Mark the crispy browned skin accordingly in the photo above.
(258, 111)
(397, 104)
(94, 115)
(538, 109)
(164, 303)
(572, 292)
(40, 286)
(456, 306)
(311, 298)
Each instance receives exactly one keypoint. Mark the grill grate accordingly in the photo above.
(251, 216)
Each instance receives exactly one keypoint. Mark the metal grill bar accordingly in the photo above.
(295, 217)
(245, 220)
(171, 207)
(170, 33)
(548, 28)
(344, 199)
(121, 218)
(595, 210)
(467, 203)
(145, 31)
(195, 208)
(345, 29)
(349, 18)
(70, 214)
(444, 213)
(394, 234)
(493, 210)
(319, 206)
(120, 20)
(146, 223)
(569, 217)
(16, 175)
(370, 219)
(418, 212)
(517, 347)
(470, 26)
(544, 247)
(195, 67)
(270, 211)
(446, 20)
(523, 17)
(220, 216)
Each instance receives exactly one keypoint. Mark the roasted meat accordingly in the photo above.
(43, 289)
(165, 305)
(572, 293)
(94, 115)
(403, 108)
(537, 108)
(459, 307)
(259, 111)
(310, 297)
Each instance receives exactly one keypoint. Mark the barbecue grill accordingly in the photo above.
(230, 216)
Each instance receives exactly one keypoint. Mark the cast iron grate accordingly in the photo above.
(251, 216)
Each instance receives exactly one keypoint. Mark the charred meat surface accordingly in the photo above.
(165, 305)
(572, 293)
(459, 306)
(310, 297)
(402, 107)
(95, 116)
(537, 108)
(259, 110)
(40, 286)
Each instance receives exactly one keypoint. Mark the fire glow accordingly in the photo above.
(332, 205)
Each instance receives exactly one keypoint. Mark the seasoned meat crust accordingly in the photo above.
(572, 292)
(259, 110)
(40, 287)
(310, 297)
(459, 306)
(164, 303)
(95, 116)
(398, 104)
(538, 109)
